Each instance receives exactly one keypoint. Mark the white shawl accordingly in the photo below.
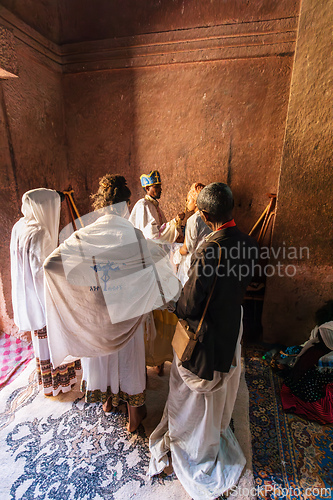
(326, 332)
(149, 218)
(33, 238)
(195, 233)
(99, 284)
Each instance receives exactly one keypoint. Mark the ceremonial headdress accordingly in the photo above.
(150, 179)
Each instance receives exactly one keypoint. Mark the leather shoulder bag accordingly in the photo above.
(184, 339)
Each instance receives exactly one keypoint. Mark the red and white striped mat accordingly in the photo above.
(15, 354)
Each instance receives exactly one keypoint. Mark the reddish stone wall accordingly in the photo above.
(204, 102)
(104, 19)
(304, 210)
(8, 59)
(32, 142)
(194, 122)
(64, 21)
(41, 15)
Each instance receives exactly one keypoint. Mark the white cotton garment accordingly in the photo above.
(206, 456)
(33, 238)
(195, 233)
(124, 370)
(149, 218)
(326, 332)
(100, 284)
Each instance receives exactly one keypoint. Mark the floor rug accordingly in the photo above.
(292, 457)
(15, 354)
(64, 449)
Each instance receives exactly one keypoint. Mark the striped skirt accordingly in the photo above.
(53, 381)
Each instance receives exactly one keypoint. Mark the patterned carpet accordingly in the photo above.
(60, 448)
(292, 457)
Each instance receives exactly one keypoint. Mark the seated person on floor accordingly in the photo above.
(308, 387)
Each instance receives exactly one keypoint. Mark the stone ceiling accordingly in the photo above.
(70, 21)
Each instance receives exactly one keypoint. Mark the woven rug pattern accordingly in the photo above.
(292, 457)
(61, 448)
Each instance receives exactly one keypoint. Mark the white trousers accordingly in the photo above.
(206, 456)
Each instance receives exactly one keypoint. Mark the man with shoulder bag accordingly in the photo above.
(205, 373)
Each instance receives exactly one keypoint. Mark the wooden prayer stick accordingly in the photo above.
(71, 211)
(69, 194)
(259, 220)
(265, 219)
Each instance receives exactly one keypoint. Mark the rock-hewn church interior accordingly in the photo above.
(219, 91)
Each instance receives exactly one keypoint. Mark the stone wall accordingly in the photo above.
(305, 209)
(200, 94)
(196, 110)
(32, 144)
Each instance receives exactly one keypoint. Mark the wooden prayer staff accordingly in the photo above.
(72, 208)
(265, 218)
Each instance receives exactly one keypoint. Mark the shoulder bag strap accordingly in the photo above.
(210, 296)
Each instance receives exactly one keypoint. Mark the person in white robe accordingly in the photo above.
(101, 283)
(195, 233)
(147, 216)
(33, 238)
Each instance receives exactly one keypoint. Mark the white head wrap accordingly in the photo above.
(34, 237)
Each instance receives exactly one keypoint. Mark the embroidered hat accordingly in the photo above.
(150, 179)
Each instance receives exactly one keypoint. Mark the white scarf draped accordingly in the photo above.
(99, 284)
(326, 332)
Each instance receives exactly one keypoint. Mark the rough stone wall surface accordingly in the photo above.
(86, 20)
(205, 122)
(64, 21)
(32, 143)
(8, 59)
(304, 209)
(100, 122)
(41, 15)
(216, 112)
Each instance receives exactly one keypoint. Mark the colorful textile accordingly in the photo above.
(311, 386)
(63, 448)
(320, 410)
(53, 380)
(292, 457)
(15, 354)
